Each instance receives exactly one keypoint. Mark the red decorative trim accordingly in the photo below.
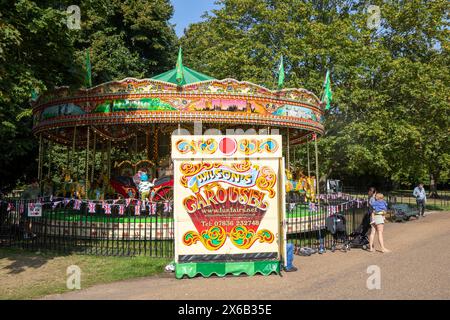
(138, 117)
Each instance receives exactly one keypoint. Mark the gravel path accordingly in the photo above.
(417, 268)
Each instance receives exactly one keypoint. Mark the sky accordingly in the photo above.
(189, 11)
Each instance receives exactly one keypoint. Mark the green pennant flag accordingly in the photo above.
(281, 73)
(88, 70)
(327, 94)
(180, 76)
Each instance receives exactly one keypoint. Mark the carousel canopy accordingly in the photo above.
(119, 110)
(182, 75)
(189, 76)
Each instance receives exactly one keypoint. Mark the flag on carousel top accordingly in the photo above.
(88, 70)
(281, 73)
(327, 94)
(179, 67)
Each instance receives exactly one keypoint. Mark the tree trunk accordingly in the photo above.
(395, 185)
(323, 180)
(433, 186)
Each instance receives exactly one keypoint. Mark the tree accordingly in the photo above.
(35, 53)
(389, 117)
(126, 38)
(38, 51)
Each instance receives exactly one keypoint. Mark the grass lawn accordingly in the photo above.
(26, 275)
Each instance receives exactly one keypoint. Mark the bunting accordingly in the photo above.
(137, 208)
(91, 206)
(167, 206)
(77, 205)
(152, 208)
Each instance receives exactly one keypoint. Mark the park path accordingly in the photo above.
(417, 268)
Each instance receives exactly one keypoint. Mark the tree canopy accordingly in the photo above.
(390, 110)
(38, 52)
(389, 118)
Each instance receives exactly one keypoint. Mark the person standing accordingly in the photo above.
(421, 197)
(379, 207)
(371, 195)
(290, 258)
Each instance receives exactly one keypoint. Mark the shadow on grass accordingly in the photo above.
(20, 259)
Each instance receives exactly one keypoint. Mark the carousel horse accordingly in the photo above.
(66, 187)
(72, 189)
(303, 183)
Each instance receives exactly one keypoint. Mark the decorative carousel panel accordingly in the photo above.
(133, 102)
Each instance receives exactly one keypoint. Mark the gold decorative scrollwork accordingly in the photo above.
(267, 180)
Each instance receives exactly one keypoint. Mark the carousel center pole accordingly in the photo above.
(39, 175)
(135, 145)
(67, 158)
(109, 160)
(102, 159)
(73, 151)
(147, 143)
(307, 153)
(155, 144)
(49, 153)
(93, 160)
(86, 181)
(293, 155)
(317, 167)
(288, 150)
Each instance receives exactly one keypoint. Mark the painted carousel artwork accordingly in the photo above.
(122, 132)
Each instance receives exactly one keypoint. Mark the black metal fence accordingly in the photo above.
(439, 202)
(121, 229)
(108, 231)
(306, 223)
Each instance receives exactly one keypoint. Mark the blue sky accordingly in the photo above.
(189, 11)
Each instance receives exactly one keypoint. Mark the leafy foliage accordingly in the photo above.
(389, 119)
(38, 51)
(390, 114)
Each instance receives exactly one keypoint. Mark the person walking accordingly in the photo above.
(421, 198)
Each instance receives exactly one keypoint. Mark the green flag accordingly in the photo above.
(327, 94)
(179, 68)
(88, 70)
(281, 74)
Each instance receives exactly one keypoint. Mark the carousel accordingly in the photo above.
(116, 136)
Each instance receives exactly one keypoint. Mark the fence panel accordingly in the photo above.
(122, 230)
(116, 229)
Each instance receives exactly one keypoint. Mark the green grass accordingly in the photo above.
(436, 207)
(160, 248)
(27, 275)
(75, 216)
